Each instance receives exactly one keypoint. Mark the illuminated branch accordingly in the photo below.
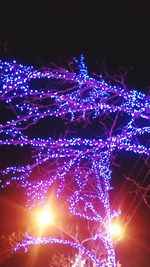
(80, 168)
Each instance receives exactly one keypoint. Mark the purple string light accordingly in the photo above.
(31, 241)
(88, 160)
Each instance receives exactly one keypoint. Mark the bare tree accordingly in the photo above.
(77, 169)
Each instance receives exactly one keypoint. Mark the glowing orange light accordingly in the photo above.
(116, 230)
(44, 217)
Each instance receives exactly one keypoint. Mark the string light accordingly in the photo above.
(87, 160)
(31, 241)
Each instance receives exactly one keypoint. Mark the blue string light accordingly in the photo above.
(87, 160)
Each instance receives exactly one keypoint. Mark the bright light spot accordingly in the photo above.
(44, 217)
(117, 230)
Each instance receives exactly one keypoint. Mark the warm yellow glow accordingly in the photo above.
(44, 217)
(117, 230)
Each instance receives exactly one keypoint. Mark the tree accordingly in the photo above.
(78, 169)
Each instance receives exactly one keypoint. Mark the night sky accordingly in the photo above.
(110, 35)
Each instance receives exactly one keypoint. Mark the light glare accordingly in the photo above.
(117, 230)
(44, 217)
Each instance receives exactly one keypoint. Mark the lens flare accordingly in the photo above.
(44, 217)
(116, 230)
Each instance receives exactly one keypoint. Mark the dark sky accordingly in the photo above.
(114, 32)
